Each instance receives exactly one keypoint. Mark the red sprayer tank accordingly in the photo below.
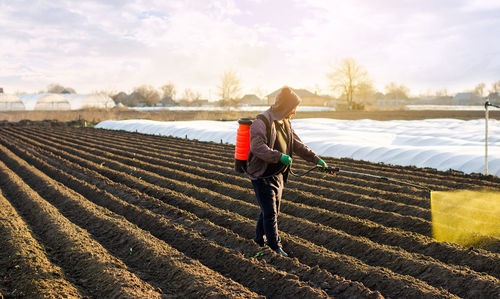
(242, 144)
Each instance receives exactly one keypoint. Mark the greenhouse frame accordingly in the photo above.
(44, 101)
(9, 102)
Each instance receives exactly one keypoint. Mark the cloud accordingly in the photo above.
(423, 44)
(480, 5)
(91, 45)
(126, 43)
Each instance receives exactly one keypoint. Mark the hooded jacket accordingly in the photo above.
(262, 150)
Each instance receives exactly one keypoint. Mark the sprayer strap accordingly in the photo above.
(268, 132)
(268, 127)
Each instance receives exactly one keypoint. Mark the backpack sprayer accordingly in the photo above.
(242, 145)
(242, 150)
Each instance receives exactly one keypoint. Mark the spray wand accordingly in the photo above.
(334, 170)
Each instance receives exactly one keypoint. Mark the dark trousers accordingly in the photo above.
(268, 192)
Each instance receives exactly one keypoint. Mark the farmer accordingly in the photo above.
(269, 163)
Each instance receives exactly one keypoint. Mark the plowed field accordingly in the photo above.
(99, 214)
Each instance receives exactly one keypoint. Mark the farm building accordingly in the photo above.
(251, 100)
(308, 98)
(81, 101)
(467, 98)
(9, 102)
(44, 101)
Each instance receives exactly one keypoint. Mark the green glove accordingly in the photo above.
(322, 163)
(285, 159)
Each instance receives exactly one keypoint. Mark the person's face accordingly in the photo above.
(291, 113)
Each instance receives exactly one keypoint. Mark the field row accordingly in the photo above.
(159, 216)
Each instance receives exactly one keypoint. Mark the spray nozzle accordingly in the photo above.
(330, 170)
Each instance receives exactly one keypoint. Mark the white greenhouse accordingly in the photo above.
(81, 101)
(10, 102)
(53, 101)
(47, 101)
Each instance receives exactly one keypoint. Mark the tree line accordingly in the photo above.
(348, 80)
(352, 81)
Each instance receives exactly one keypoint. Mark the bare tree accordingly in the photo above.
(366, 92)
(120, 97)
(58, 88)
(259, 91)
(147, 94)
(480, 89)
(442, 93)
(190, 96)
(107, 92)
(168, 91)
(495, 87)
(55, 88)
(395, 91)
(346, 78)
(230, 86)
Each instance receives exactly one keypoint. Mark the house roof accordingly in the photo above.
(464, 95)
(250, 97)
(299, 92)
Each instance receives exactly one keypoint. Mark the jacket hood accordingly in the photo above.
(286, 101)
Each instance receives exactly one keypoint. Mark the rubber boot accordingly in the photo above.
(280, 251)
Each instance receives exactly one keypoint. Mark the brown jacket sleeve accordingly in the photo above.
(303, 150)
(258, 143)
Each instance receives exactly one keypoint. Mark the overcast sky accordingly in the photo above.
(117, 45)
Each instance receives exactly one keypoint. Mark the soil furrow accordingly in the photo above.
(403, 197)
(408, 264)
(335, 286)
(85, 262)
(24, 266)
(382, 256)
(224, 155)
(185, 276)
(355, 198)
(395, 220)
(454, 254)
(321, 186)
(327, 192)
(390, 219)
(358, 199)
(340, 182)
(338, 263)
(434, 179)
(234, 265)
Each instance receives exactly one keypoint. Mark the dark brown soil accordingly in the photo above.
(158, 216)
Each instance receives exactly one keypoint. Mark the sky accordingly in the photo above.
(114, 46)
